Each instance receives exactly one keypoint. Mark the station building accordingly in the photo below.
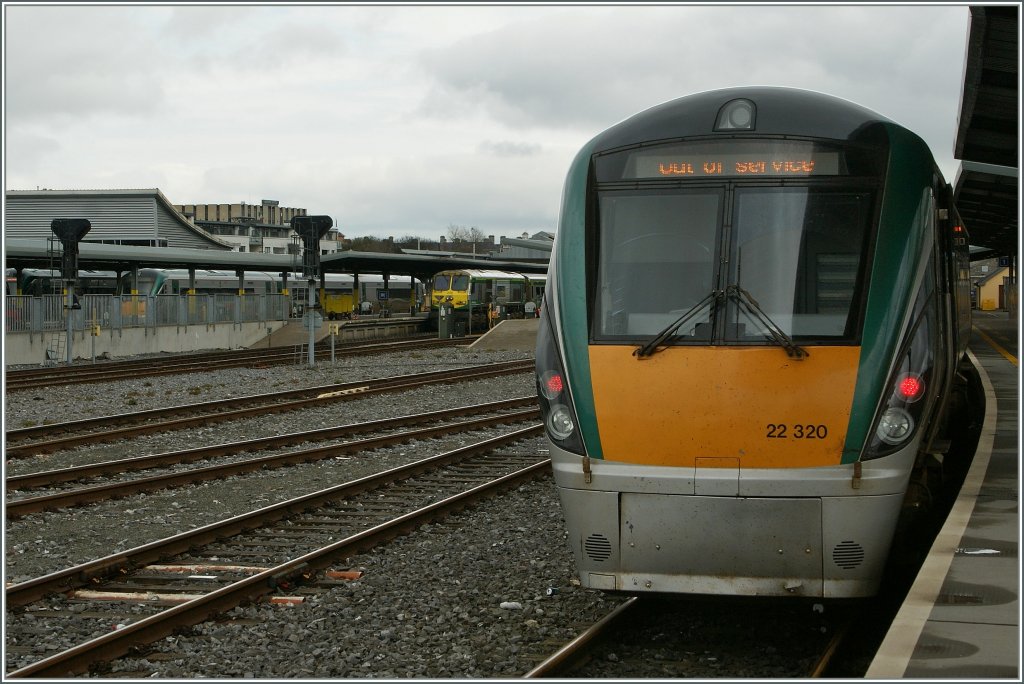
(991, 292)
(263, 228)
(138, 218)
(536, 247)
(146, 218)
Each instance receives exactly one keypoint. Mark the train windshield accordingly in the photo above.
(741, 258)
(658, 254)
(451, 281)
(798, 252)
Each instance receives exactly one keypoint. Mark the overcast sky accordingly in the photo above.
(403, 120)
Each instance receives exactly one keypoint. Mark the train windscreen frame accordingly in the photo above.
(703, 248)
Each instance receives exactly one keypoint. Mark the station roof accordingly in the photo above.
(127, 216)
(38, 253)
(541, 245)
(987, 188)
(420, 266)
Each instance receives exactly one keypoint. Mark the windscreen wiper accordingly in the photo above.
(652, 346)
(776, 334)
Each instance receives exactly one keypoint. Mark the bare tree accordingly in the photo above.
(455, 232)
(408, 242)
(464, 233)
(372, 244)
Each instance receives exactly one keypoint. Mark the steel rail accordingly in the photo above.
(79, 658)
(86, 573)
(226, 354)
(23, 374)
(573, 650)
(224, 409)
(46, 478)
(86, 495)
(116, 371)
(818, 671)
(115, 644)
(183, 409)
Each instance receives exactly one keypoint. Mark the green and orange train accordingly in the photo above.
(754, 336)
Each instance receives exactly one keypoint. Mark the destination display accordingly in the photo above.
(706, 161)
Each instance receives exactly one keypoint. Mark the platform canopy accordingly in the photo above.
(987, 187)
(41, 253)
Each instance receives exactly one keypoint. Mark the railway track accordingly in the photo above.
(569, 655)
(18, 504)
(276, 553)
(640, 638)
(36, 378)
(43, 439)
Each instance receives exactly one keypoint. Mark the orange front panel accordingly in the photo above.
(751, 403)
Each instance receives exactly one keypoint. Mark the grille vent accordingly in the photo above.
(848, 555)
(598, 547)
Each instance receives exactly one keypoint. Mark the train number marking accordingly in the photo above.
(797, 431)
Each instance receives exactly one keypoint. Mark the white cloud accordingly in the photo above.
(404, 119)
(64, 63)
(507, 148)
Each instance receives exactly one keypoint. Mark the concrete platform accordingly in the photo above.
(961, 617)
(28, 348)
(510, 335)
(364, 329)
(293, 333)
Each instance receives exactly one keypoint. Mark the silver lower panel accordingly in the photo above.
(830, 547)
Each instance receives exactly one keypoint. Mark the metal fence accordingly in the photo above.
(38, 314)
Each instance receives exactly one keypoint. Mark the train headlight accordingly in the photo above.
(560, 422)
(736, 115)
(895, 426)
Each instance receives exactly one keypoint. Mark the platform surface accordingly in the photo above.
(961, 618)
(510, 335)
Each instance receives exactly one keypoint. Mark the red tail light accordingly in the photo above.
(910, 387)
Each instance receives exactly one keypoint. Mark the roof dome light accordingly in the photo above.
(736, 115)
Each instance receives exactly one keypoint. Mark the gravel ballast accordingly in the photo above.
(468, 597)
(45, 542)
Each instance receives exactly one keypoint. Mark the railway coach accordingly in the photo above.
(752, 345)
(476, 291)
(336, 293)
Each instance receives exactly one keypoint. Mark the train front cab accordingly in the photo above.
(490, 295)
(738, 407)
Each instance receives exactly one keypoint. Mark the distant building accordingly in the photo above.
(990, 290)
(119, 217)
(264, 227)
(267, 213)
(536, 247)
